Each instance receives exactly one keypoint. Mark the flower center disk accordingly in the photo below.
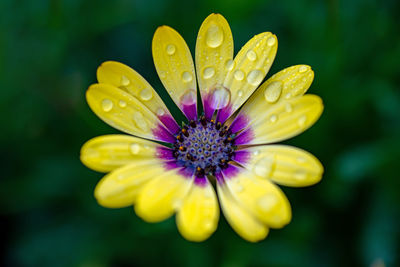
(204, 146)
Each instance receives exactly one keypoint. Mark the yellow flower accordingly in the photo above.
(221, 147)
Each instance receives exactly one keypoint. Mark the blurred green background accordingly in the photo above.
(49, 52)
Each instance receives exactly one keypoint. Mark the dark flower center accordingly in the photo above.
(205, 146)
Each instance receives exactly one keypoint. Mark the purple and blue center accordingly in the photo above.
(205, 146)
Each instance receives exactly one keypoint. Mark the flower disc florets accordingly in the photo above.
(205, 146)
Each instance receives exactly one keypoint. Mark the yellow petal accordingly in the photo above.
(108, 152)
(159, 199)
(120, 188)
(283, 120)
(124, 112)
(125, 78)
(241, 220)
(251, 65)
(284, 165)
(214, 53)
(261, 197)
(174, 65)
(198, 216)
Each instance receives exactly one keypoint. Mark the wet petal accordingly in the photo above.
(124, 112)
(198, 216)
(251, 65)
(284, 165)
(240, 218)
(174, 65)
(120, 188)
(214, 54)
(159, 198)
(108, 152)
(125, 78)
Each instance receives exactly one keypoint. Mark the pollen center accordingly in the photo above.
(205, 146)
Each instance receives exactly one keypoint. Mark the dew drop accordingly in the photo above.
(171, 49)
(160, 112)
(239, 75)
(300, 175)
(303, 69)
(122, 103)
(288, 108)
(255, 77)
(240, 93)
(230, 64)
(214, 36)
(125, 81)
(146, 94)
(273, 91)
(302, 120)
(163, 74)
(251, 55)
(255, 153)
(271, 41)
(263, 167)
(220, 97)
(273, 118)
(189, 97)
(187, 77)
(135, 148)
(301, 160)
(288, 95)
(107, 105)
(139, 121)
(208, 72)
(267, 202)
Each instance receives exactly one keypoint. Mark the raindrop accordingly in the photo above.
(146, 94)
(220, 97)
(122, 103)
(239, 75)
(303, 69)
(240, 93)
(125, 81)
(288, 107)
(189, 97)
(255, 77)
(273, 118)
(230, 64)
(273, 91)
(107, 105)
(271, 41)
(187, 76)
(208, 72)
(160, 112)
(214, 36)
(139, 121)
(302, 120)
(300, 175)
(251, 55)
(268, 202)
(135, 148)
(171, 49)
(263, 167)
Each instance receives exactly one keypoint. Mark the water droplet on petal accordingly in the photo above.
(135, 148)
(107, 105)
(160, 112)
(288, 107)
(251, 55)
(125, 81)
(189, 97)
(139, 121)
(208, 72)
(300, 175)
(163, 74)
(273, 91)
(288, 95)
(303, 69)
(240, 93)
(239, 75)
(122, 103)
(267, 202)
(187, 76)
(273, 118)
(256, 152)
(230, 64)
(146, 94)
(301, 160)
(271, 41)
(263, 167)
(220, 97)
(171, 49)
(302, 120)
(255, 77)
(214, 36)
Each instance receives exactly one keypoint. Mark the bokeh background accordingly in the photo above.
(49, 52)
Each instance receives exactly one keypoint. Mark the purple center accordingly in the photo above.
(204, 146)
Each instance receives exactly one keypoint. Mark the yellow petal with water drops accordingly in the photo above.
(198, 216)
(108, 152)
(161, 197)
(241, 220)
(174, 65)
(125, 78)
(214, 52)
(262, 198)
(124, 112)
(120, 188)
(283, 120)
(284, 165)
(251, 65)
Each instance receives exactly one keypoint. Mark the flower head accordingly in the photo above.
(228, 146)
